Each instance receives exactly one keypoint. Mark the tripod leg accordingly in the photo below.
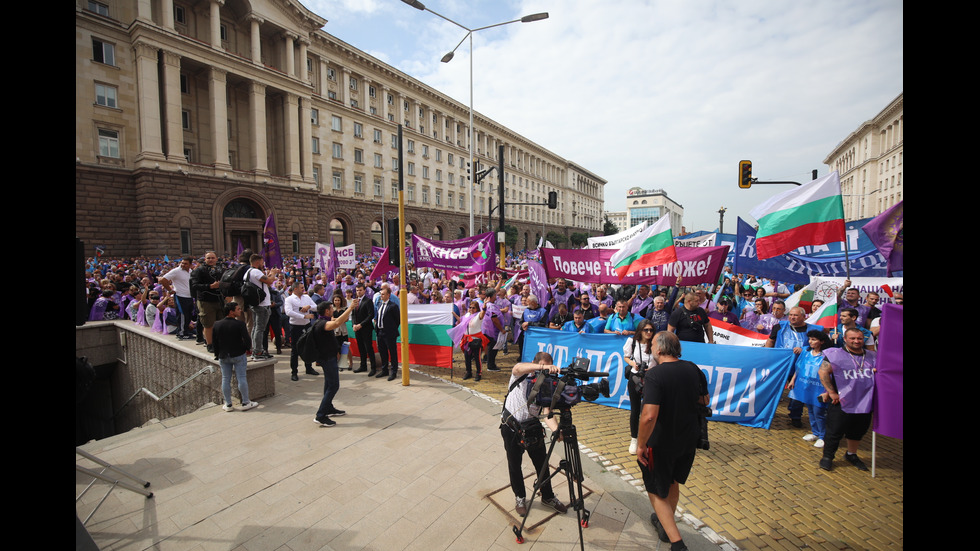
(538, 483)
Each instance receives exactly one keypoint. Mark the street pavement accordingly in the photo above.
(422, 467)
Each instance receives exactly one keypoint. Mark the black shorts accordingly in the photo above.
(665, 472)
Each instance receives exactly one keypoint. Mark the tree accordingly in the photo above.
(510, 238)
(608, 228)
(556, 238)
(579, 239)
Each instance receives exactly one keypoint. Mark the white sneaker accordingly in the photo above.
(818, 443)
(228, 407)
(633, 446)
(810, 437)
(250, 405)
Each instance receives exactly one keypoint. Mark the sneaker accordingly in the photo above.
(555, 504)
(810, 437)
(337, 413)
(818, 443)
(493, 369)
(325, 422)
(250, 405)
(661, 533)
(853, 460)
(826, 463)
(294, 377)
(266, 356)
(521, 507)
(632, 446)
(228, 407)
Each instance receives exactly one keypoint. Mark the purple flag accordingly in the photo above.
(470, 254)
(694, 265)
(885, 231)
(240, 249)
(333, 263)
(270, 244)
(383, 267)
(539, 282)
(889, 380)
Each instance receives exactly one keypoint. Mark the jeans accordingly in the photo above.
(818, 419)
(294, 332)
(238, 363)
(331, 384)
(260, 328)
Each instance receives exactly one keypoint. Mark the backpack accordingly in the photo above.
(231, 281)
(252, 294)
(306, 344)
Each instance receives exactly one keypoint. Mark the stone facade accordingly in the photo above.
(196, 120)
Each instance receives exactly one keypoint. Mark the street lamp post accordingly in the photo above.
(448, 57)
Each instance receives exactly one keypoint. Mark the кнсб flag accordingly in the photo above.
(811, 214)
(428, 341)
(652, 247)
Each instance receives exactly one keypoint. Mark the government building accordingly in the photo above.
(197, 119)
(869, 161)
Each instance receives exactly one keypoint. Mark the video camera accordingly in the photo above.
(561, 391)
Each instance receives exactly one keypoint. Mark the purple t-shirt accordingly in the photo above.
(854, 377)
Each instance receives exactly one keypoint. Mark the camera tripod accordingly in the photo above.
(571, 466)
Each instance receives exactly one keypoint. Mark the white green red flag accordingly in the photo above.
(811, 214)
(652, 247)
(826, 315)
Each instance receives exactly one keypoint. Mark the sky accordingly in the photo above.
(657, 94)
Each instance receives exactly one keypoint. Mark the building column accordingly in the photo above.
(217, 92)
(148, 91)
(304, 75)
(172, 107)
(256, 120)
(385, 108)
(215, 17)
(290, 43)
(324, 82)
(345, 87)
(290, 118)
(306, 138)
(255, 23)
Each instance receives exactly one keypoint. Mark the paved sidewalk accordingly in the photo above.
(417, 467)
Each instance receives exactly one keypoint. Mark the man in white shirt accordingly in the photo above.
(261, 312)
(301, 311)
(179, 280)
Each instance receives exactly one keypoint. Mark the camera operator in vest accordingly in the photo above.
(522, 432)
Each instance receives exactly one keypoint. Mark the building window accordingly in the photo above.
(438, 175)
(185, 241)
(438, 197)
(411, 169)
(315, 117)
(316, 175)
(188, 155)
(377, 136)
(105, 95)
(179, 16)
(377, 160)
(359, 156)
(394, 164)
(353, 103)
(185, 119)
(425, 151)
(451, 178)
(315, 145)
(103, 52)
(425, 172)
(295, 243)
(353, 83)
(449, 199)
(373, 110)
(331, 73)
(394, 190)
(462, 199)
(184, 87)
(358, 183)
(449, 159)
(108, 143)
(331, 95)
(394, 141)
(439, 155)
(223, 31)
(98, 8)
(358, 130)
(425, 196)
(411, 192)
(309, 65)
(336, 123)
(411, 146)
(338, 151)
(372, 91)
(391, 100)
(338, 181)
(377, 187)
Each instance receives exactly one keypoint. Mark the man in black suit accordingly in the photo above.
(386, 322)
(363, 320)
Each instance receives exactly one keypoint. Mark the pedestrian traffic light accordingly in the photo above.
(552, 200)
(745, 174)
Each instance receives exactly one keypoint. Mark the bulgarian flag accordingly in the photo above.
(826, 316)
(812, 214)
(654, 246)
(428, 342)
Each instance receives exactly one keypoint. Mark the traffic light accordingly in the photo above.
(469, 177)
(745, 174)
(552, 200)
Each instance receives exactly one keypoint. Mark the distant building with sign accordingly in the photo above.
(651, 205)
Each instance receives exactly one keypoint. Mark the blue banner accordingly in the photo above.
(744, 383)
(825, 260)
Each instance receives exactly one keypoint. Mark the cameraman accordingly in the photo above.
(523, 429)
